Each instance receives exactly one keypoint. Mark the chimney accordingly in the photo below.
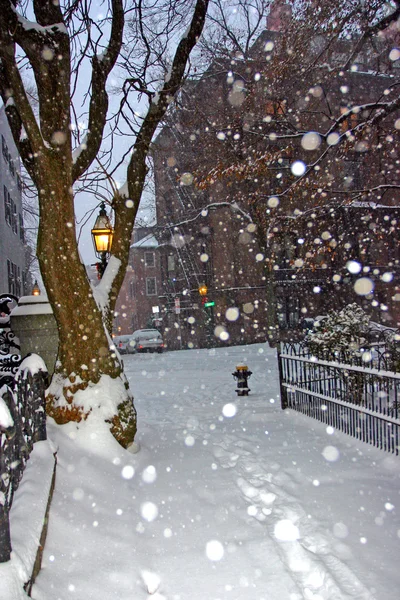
(279, 16)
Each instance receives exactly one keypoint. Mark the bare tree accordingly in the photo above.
(319, 44)
(316, 85)
(55, 41)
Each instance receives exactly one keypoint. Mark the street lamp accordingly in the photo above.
(208, 308)
(102, 234)
(203, 289)
(36, 289)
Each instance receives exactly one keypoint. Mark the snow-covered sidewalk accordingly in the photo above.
(228, 498)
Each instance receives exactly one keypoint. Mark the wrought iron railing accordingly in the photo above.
(22, 423)
(10, 355)
(359, 398)
(22, 416)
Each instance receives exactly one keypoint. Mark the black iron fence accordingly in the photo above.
(22, 416)
(354, 392)
(10, 355)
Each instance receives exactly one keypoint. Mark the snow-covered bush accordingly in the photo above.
(392, 353)
(340, 332)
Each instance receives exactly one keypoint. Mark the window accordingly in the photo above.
(275, 108)
(171, 262)
(7, 205)
(293, 311)
(169, 203)
(10, 211)
(132, 288)
(24, 283)
(4, 148)
(284, 249)
(352, 177)
(378, 253)
(289, 248)
(21, 228)
(19, 182)
(14, 217)
(19, 281)
(14, 278)
(12, 166)
(149, 259)
(151, 289)
(10, 277)
(349, 122)
(288, 312)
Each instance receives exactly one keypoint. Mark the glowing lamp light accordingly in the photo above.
(36, 289)
(203, 289)
(102, 240)
(102, 233)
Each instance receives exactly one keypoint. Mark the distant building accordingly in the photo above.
(220, 229)
(13, 270)
(217, 162)
(139, 296)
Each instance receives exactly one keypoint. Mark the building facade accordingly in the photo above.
(13, 271)
(232, 218)
(230, 215)
(138, 299)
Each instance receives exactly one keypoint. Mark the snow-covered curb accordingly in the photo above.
(30, 498)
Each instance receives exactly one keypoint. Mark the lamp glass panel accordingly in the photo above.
(102, 239)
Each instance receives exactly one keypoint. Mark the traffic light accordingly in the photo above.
(206, 302)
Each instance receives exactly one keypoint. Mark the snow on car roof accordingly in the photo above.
(147, 333)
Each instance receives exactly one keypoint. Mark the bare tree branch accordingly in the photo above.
(101, 68)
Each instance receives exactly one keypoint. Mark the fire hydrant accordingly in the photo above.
(242, 374)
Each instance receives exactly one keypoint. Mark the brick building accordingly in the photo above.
(141, 287)
(228, 213)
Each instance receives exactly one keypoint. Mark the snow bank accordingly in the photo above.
(26, 521)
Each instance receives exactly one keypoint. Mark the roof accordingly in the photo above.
(149, 241)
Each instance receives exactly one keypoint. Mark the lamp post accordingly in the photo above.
(102, 234)
(209, 313)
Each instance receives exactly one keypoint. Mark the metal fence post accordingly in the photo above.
(6, 438)
(5, 538)
(283, 391)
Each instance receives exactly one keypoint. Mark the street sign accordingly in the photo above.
(177, 306)
(209, 304)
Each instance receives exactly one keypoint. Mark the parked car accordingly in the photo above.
(148, 340)
(125, 344)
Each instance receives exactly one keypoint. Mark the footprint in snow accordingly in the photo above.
(226, 458)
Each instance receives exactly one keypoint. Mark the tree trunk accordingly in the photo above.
(85, 349)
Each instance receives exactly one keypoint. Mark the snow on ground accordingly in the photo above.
(227, 499)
